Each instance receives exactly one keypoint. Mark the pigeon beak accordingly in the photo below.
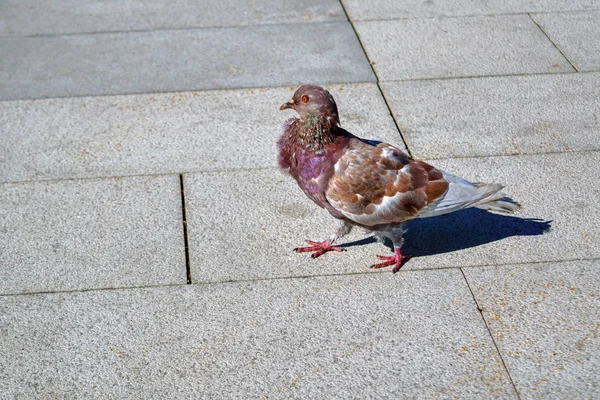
(287, 105)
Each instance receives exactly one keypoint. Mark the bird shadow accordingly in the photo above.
(461, 230)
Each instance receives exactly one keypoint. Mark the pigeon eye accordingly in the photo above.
(304, 99)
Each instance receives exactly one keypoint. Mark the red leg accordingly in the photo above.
(395, 260)
(319, 248)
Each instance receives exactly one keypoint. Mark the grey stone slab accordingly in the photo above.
(497, 115)
(561, 188)
(178, 60)
(545, 320)
(577, 35)
(36, 17)
(415, 334)
(164, 133)
(462, 46)
(244, 224)
(392, 9)
(71, 235)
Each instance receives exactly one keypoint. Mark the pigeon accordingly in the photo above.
(368, 183)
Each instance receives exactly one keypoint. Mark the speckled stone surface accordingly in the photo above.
(414, 334)
(180, 60)
(104, 104)
(558, 221)
(393, 9)
(545, 319)
(576, 34)
(462, 46)
(244, 224)
(38, 17)
(165, 133)
(84, 234)
(498, 115)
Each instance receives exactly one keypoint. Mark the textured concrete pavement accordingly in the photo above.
(146, 233)
(164, 132)
(462, 46)
(82, 234)
(421, 336)
(508, 115)
(545, 319)
(138, 62)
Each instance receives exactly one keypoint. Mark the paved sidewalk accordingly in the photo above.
(146, 233)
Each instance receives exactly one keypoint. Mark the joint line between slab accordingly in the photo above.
(461, 157)
(442, 78)
(277, 278)
(387, 104)
(498, 14)
(552, 41)
(167, 29)
(185, 233)
(490, 333)
(394, 119)
(176, 91)
(251, 25)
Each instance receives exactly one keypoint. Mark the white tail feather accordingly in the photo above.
(497, 201)
(464, 194)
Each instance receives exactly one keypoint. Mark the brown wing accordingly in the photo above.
(377, 185)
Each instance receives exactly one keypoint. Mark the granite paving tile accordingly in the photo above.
(449, 118)
(461, 46)
(545, 319)
(244, 224)
(181, 60)
(164, 133)
(559, 219)
(83, 234)
(415, 334)
(393, 9)
(35, 17)
(577, 35)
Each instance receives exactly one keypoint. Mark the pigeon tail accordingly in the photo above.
(494, 200)
(463, 194)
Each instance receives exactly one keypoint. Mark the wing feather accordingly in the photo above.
(377, 184)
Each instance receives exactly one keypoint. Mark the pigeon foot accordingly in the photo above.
(395, 260)
(319, 248)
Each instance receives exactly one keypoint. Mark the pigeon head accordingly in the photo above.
(313, 101)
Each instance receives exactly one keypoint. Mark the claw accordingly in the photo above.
(319, 248)
(396, 260)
